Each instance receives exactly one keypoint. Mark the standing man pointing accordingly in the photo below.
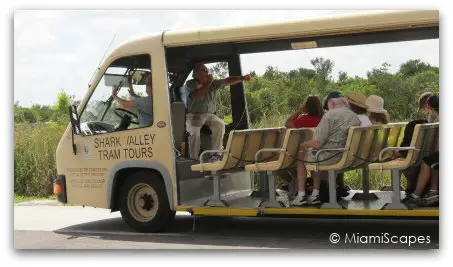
(201, 106)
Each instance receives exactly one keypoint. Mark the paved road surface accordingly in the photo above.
(63, 227)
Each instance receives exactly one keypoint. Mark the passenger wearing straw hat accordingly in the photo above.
(376, 112)
(357, 103)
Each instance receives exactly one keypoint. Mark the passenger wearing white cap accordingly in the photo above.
(376, 112)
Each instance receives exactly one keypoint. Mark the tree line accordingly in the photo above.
(279, 93)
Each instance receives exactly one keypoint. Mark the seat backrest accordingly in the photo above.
(365, 146)
(271, 138)
(259, 139)
(425, 139)
(358, 144)
(375, 138)
(245, 144)
(387, 135)
(178, 119)
(293, 139)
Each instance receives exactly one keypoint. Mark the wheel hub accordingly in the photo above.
(143, 202)
(146, 202)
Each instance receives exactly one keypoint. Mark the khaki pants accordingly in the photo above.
(194, 122)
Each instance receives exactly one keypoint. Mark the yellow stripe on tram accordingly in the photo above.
(220, 211)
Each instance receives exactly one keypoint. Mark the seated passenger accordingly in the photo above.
(342, 190)
(329, 96)
(376, 112)
(143, 105)
(357, 103)
(308, 116)
(412, 172)
(331, 132)
(423, 107)
(409, 130)
(428, 164)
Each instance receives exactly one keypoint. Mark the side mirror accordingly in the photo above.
(74, 118)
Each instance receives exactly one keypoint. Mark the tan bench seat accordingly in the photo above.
(383, 136)
(424, 141)
(287, 153)
(287, 157)
(240, 150)
(362, 147)
(352, 156)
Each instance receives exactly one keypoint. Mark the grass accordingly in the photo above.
(34, 157)
(274, 120)
(20, 198)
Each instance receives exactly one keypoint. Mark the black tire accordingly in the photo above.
(137, 203)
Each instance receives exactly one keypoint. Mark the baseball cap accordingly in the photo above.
(331, 95)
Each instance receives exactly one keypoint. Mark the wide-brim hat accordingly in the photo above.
(356, 98)
(375, 104)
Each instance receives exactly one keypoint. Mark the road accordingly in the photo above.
(74, 227)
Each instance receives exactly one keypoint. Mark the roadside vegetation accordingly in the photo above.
(19, 198)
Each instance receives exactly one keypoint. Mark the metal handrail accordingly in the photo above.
(266, 150)
(396, 149)
(318, 152)
(211, 151)
(329, 149)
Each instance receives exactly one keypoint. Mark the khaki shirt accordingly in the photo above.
(332, 132)
(208, 103)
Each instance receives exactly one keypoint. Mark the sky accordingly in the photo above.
(60, 49)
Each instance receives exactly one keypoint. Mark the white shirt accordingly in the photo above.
(364, 120)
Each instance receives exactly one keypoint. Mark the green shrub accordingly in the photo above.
(34, 157)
